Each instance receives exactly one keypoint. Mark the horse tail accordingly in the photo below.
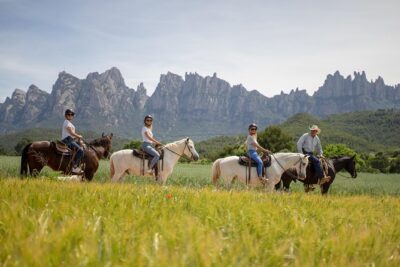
(24, 160)
(112, 170)
(216, 171)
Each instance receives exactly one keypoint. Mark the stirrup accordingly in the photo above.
(324, 180)
(263, 180)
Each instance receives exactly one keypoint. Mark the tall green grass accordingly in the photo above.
(46, 222)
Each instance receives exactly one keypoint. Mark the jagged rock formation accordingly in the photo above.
(196, 106)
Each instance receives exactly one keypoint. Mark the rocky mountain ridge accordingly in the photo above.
(192, 105)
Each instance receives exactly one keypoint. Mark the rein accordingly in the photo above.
(183, 152)
(280, 165)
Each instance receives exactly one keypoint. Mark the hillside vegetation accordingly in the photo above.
(363, 131)
(9, 141)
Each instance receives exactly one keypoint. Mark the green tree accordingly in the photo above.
(134, 144)
(2, 150)
(21, 144)
(274, 139)
(331, 150)
(395, 165)
(380, 162)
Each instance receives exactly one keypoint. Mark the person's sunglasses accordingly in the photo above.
(149, 120)
(253, 129)
(70, 114)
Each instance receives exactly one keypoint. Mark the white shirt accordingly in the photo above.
(65, 133)
(149, 132)
(309, 144)
(250, 142)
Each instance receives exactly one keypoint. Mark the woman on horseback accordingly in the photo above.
(67, 136)
(149, 141)
(252, 146)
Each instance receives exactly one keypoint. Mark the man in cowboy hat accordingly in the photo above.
(307, 144)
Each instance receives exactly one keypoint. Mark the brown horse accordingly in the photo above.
(38, 154)
(335, 164)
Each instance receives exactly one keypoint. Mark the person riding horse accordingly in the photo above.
(149, 142)
(252, 146)
(67, 136)
(307, 144)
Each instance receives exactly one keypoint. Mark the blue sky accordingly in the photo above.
(265, 45)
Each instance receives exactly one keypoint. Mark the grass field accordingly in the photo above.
(45, 222)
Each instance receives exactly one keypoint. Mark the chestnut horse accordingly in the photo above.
(38, 154)
(335, 164)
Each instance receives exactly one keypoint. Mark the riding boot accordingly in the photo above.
(324, 180)
(263, 180)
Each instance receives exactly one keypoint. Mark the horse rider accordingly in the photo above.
(149, 142)
(252, 146)
(67, 136)
(307, 144)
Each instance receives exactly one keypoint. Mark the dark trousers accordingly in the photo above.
(70, 142)
(316, 164)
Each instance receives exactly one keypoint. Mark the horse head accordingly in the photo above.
(302, 168)
(351, 166)
(190, 152)
(104, 142)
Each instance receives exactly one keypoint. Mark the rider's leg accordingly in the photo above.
(79, 153)
(151, 150)
(318, 169)
(253, 154)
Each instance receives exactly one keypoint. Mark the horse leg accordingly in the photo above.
(118, 176)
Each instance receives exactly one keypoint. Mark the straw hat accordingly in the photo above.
(315, 128)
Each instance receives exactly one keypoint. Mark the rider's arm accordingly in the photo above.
(151, 138)
(255, 143)
(72, 132)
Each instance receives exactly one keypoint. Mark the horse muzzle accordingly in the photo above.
(195, 157)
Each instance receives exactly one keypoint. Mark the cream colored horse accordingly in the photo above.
(229, 169)
(123, 162)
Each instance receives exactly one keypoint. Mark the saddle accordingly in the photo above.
(247, 161)
(144, 155)
(324, 164)
(61, 148)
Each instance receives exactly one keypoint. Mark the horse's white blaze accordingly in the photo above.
(122, 162)
(228, 168)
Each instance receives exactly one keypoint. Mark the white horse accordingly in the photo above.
(229, 169)
(123, 161)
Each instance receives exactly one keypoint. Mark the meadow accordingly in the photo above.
(46, 222)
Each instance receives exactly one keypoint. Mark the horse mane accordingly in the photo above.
(173, 144)
(103, 141)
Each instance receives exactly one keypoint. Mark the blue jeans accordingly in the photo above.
(316, 164)
(152, 151)
(253, 154)
(70, 142)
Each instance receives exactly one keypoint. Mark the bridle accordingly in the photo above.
(291, 175)
(183, 151)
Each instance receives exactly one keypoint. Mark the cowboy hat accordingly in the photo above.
(315, 128)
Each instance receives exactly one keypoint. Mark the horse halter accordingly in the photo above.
(291, 175)
(183, 151)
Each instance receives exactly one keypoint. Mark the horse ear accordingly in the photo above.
(111, 135)
(187, 139)
(102, 134)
